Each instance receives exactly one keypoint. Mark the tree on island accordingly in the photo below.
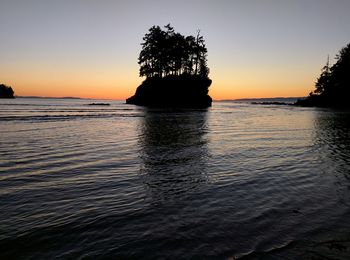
(332, 88)
(6, 91)
(176, 70)
(165, 53)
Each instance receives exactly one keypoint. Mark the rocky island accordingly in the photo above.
(333, 85)
(6, 91)
(176, 71)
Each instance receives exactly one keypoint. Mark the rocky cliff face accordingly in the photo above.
(173, 91)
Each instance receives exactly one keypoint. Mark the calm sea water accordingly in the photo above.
(120, 181)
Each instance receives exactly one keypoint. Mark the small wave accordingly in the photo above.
(64, 117)
(33, 105)
(269, 252)
(60, 110)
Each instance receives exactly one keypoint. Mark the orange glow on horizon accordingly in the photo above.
(121, 90)
(91, 50)
(121, 83)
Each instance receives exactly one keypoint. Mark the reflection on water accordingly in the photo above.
(332, 139)
(333, 130)
(174, 152)
(124, 182)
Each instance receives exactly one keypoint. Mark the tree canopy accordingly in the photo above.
(332, 87)
(166, 52)
(335, 80)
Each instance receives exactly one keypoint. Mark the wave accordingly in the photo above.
(65, 117)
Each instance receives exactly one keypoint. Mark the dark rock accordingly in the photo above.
(99, 104)
(6, 91)
(271, 103)
(335, 101)
(187, 91)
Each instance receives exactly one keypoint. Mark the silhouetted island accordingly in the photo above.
(6, 91)
(333, 85)
(176, 71)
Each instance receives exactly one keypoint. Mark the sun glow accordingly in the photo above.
(90, 50)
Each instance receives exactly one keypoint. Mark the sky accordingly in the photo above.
(89, 48)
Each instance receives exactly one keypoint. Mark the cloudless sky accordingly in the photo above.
(89, 48)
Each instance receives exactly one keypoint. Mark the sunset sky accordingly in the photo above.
(88, 48)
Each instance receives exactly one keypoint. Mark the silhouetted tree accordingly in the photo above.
(152, 54)
(323, 81)
(165, 52)
(333, 85)
(340, 72)
(6, 91)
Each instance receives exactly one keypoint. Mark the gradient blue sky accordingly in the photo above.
(89, 48)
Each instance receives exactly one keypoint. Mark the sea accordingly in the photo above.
(83, 179)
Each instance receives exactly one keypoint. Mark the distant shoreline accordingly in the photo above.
(72, 98)
(50, 97)
(255, 100)
(274, 99)
(286, 101)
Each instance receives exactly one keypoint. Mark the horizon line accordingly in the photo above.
(120, 99)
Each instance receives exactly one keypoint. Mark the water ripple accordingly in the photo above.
(234, 181)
